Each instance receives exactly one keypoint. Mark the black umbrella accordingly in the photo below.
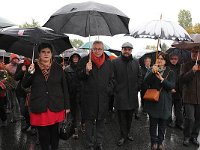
(5, 23)
(184, 56)
(23, 41)
(88, 19)
(151, 55)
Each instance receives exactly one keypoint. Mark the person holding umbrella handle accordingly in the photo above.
(49, 97)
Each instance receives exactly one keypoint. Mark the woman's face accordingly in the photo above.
(45, 55)
(161, 61)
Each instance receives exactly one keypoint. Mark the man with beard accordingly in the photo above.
(128, 79)
(74, 86)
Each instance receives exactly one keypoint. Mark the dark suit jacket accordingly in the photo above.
(52, 94)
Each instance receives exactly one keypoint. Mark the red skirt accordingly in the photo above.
(46, 118)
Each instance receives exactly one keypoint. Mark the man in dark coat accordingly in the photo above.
(74, 87)
(176, 94)
(190, 76)
(128, 79)
(96, 74)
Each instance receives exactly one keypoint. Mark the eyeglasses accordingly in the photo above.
(97, 49)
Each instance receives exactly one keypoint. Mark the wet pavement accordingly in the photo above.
(11, 138)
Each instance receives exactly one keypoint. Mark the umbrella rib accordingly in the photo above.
(67, 21)
(107, 24)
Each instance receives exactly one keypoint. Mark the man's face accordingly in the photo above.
(194, 53)
(97, 49)
(174, 60)
(126, 51)
(147, 62)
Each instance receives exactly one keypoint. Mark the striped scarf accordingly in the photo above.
(45, 68)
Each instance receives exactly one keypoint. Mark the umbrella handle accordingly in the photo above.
(33, 55)
(197, 59)
(157, 50)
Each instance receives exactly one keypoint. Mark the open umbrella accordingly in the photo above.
(88, 19)
(161, 29)
(23, 41)
(111, 55)
(88, 45)
(68, 53)
(183, 55)
(5, 23)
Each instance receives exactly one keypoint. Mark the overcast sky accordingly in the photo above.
(139, 11)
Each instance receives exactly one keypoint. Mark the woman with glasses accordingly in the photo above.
(162, 78)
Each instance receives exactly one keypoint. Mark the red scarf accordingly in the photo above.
(98, 60)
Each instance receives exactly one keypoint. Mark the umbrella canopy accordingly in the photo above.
(88, 19)
(184, 56)
(111, 55)
(161, 29)
(186, 45)
(22, 41)
(70, 52)
(5, 23)
(88, 45)
(151, 55)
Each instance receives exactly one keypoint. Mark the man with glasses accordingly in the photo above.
(190, 76)
(128, 79)
(176, 94)
(95, 72)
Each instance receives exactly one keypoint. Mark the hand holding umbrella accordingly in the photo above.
(88, 67)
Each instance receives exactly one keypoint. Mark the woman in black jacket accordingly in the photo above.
(161, 78)
(49, 96)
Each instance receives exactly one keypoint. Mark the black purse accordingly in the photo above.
(66, 127)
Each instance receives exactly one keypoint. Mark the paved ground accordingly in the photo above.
(11, 138)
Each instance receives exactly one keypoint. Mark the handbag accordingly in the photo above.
(66, 127)
(152, 95)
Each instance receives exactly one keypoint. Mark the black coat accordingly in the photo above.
(52, 94)
(128, 80)
(96, 88)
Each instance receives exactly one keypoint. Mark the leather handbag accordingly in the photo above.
(152, 95)
(66, 128)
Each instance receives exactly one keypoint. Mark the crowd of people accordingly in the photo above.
(89, 87)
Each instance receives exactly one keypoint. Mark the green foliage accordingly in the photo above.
(76, 43)
(152, 47)
(185, 19)
(164, 47)
(30, 25)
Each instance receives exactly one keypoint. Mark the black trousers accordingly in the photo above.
(49, 137)
(92, 127)
(177, 103)
(3, 116)
(192, 120)
(125, 120)
(157, 130)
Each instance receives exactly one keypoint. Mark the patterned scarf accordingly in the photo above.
(98, 60)
(45, 68)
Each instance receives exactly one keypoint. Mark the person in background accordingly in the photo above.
(74, 86)
(21, 93)
(95, 72)
(162, 78)
(3, 115)
(144, 69)
(128, 78)
(12, 103)
(49, 99)
(190, 77)
(176, 94)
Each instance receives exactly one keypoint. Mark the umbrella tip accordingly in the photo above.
(161, 16)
